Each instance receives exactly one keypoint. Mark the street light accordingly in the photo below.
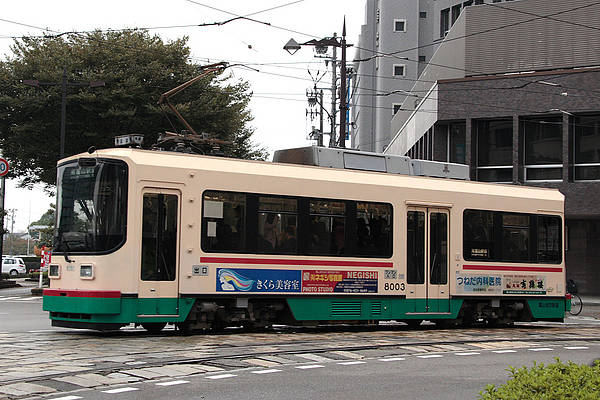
(321, 46)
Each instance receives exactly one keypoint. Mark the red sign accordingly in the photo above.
(3, 167)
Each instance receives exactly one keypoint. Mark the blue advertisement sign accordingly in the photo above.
(258, 280)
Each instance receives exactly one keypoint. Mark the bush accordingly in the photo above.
(5, 276)
(35, 276)
(554, 381)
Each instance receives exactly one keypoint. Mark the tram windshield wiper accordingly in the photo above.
(62, 245)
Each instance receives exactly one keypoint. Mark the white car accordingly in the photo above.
(13, 266)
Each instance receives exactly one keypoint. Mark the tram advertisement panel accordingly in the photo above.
(291, 281)
(339, 281)
(501, 284)
(257, 280)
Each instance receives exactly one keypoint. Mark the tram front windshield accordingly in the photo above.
(91, 206)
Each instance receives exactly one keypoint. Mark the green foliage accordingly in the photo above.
(136, 68)
(46, 234)
(555, 381)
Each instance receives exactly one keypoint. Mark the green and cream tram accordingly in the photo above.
(155, 238)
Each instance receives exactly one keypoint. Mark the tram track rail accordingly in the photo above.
(240, 352)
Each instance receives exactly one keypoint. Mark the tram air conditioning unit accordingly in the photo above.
(366, 161)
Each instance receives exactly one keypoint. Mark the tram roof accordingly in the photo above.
(306, 172)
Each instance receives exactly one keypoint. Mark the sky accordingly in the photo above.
(279, 86)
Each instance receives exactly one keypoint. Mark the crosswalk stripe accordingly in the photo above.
(430, 356)
(120, 390)
(222, 376)
(541, 349)
(352, 362)
(265, 371)
(310, 366)
(503, 351)
(172, 383)
(576, 347)
(470, 353)
(392, 359)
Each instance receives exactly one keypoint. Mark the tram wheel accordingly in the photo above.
(154, 327)
(413, 323)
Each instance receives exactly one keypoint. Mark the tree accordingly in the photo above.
(45, 227)
(136, 68)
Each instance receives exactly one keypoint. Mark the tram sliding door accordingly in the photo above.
(427, 259)
(158, 287)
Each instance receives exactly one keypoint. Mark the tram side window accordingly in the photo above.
(373, 229)
(511, 237)
(478, 238)
(224, 221)
(327, 227)
(277, 225)
(515, 237)
(159, 237)
(549, 239)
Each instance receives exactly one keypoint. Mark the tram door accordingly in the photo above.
(158, 289)
(427, 259)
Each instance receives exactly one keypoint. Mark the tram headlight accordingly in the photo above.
(54, 271)
(86, 272)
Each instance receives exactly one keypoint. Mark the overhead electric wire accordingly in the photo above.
(383, 54)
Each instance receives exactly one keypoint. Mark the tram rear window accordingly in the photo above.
(269, 224)
(511, 237)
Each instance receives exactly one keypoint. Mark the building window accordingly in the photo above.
(455, 13)
(478, 2)
(422, 58)
(494, 150)
(468, 3)
(399, 25)
(423, 14)
(587, 147)
(399, 69)
(396, 107)
(444, 22)
(543, 148)
(456, 142)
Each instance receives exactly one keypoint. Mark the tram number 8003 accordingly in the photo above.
(394, 286)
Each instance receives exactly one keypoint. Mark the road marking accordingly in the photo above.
(120, 390)
(28, 298)
(42, 331)
(9, 298)
(172, 383)
(503, 351)
(68, 398)
(576, 347)
(472, 353)
(431, 356)
(541, 349)
(222, 376)
(265, 371)
(392, 359)
(352, 362)
(310, 366)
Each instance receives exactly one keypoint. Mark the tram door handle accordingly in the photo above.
(153, 290)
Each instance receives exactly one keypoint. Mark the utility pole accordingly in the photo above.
(332, 140)
(321, 110)
(64, 83)
(321, 46)
(343, 89)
